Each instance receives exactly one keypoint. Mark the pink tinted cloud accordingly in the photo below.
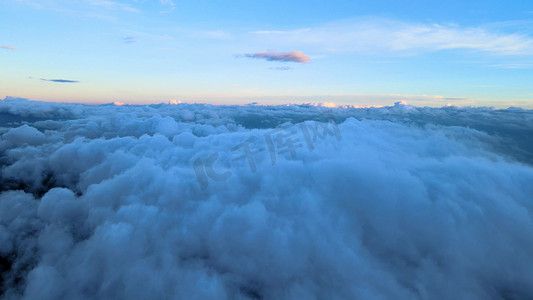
(8, 47)
(271, 55)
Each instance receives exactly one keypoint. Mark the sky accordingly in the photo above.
(432, 53)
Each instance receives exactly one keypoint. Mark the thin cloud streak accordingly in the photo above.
(8, 47)
(513, 66)
(281, 68)
(99, 9)
(293, 56)
(114, 5)
(131, 40)
(60, 80)
(297, 31)
(372, 36)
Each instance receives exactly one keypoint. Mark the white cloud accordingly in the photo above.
(103, 202)
(383, 35)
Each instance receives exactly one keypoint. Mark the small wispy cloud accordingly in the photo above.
(113, 5)
(8, 47)
(130, 40)
(296, 31)
(169, 3)
(60, 80)
(513, 66)
(281, 68)
(214, 34)
(271, 55)
(105, 10)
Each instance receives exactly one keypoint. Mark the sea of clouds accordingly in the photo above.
(194, 201)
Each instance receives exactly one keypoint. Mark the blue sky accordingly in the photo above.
(347, 52)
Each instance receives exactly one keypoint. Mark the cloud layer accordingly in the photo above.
(271, 55)
(402, 202)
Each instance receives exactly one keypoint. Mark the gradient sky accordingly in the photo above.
(359, 52)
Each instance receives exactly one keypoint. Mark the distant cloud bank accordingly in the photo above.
(271, 55)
